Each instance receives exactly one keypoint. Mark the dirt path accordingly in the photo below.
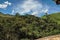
(55, 37)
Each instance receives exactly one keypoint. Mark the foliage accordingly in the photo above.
(27, 27)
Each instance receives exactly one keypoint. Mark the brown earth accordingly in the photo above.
(54, 37)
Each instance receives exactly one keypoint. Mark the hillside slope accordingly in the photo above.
(17, 27)
(55, 17)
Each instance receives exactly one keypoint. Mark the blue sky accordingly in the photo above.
(33, 7)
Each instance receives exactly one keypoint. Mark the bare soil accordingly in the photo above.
(54, 37)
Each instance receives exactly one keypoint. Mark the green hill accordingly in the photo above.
(21, 27)
(55, 17)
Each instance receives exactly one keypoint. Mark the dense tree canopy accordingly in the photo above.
(21, 27)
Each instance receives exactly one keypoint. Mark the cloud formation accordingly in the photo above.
(5, 5)
(31, 6)
(12, 11)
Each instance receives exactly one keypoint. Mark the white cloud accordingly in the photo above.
(8, 3)
(5, 4)
(46, 10)
(12, 12)
(31, 5)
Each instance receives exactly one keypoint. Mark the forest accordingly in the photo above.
(28, 27)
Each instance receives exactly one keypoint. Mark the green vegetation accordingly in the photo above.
(27, 27)
(55, 17)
